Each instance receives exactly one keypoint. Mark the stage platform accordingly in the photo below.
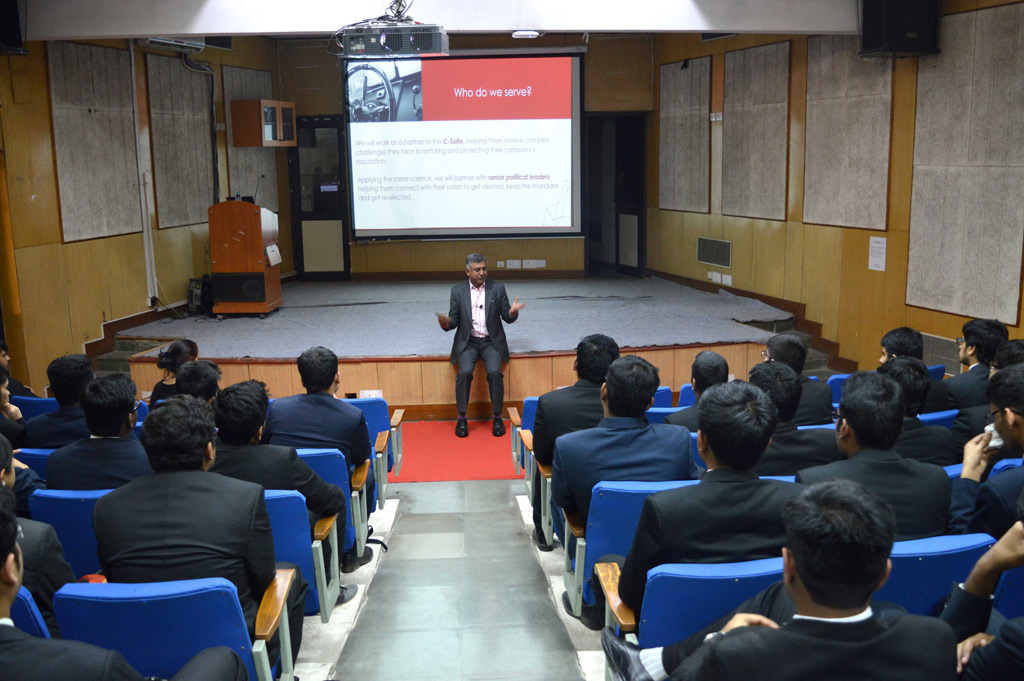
(387, 337)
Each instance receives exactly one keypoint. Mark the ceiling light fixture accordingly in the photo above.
(526, 34)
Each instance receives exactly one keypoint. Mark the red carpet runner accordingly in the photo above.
(432, 453)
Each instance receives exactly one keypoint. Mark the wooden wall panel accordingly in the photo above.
(768, 243)
(822, 262)
(901, 162)
(282, 379)
(145, 375)
(173, 250)
(87, 298)
(356, 376)
(438, 382)
(527, 377)
(860, 324)
(233, 373)
(47, 324)
(563, 372)
(310, 77)
(618, 73)
(665, 362)
(126, 283)
(450, 255)
(402, 382)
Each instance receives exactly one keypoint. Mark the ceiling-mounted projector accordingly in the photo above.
(390, 39)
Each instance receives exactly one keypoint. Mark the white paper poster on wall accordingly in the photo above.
(876, 254)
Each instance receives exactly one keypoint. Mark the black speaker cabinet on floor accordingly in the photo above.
(12, 27)
(899, 28)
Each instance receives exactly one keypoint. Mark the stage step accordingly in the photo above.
(779, 326)
(116, 361)
(134, 345)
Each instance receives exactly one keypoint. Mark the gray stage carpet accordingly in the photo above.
(389, 319)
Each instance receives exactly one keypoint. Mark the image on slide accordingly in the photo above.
(385, 91)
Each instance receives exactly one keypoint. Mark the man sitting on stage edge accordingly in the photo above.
(476, 311)
(838, 540)
(708, 369)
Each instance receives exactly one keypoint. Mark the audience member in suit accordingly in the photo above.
(981, 656)
(46, 570)
(927, 444)
(27, 658)
(838, 539)
(569, 409)
(623, 446)
(708, 369)
(972, 420)
(870, 419)
(977, 348)
(906, 342)
(990, 507)
(815, 407)
(68, 376)
(200, 378)
(732, 515)
(185, 523)
(319, 419)
(240, 412)
(16, 387)
(171, 358)
(109, 457)
(23, 481)
(12, 423)
(476, 311)
(790, 450)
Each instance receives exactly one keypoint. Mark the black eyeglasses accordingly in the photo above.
(960, 340)
(215, 431)
(765, 355)
(835, 414)
(138, 403)
(993, 412)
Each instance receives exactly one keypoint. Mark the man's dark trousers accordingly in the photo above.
(476, 349)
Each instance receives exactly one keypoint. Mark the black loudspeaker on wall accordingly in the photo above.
(12, 27)
(899, 28)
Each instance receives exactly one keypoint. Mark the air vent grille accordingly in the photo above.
(714, 252)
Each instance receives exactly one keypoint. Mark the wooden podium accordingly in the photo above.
(246, 260)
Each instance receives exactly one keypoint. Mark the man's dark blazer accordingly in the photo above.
(188, 525)
(618, 448)
(970, 422)
(56, 429)
(14, 431)
(918, 492)
(27, 658)
(792, 450)
(277, 467)
(687, 418)
(968, 389)
(1003, 657)
(815, 407)
(731, 516)
(928, 444)
(937, 398)
(989, 507)
(900, 648)
(319, 420)
(18, 389)
(460, 314)
(97, 463)
(576, 407)
(46, 570)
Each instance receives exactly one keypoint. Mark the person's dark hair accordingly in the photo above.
(708, 369)
(176, 434)
(240, 411)
(1009, 353)
(8, 501)
(782, 386)
(176, 354)
(1006, 388)
(317, 367)
(912, 375)
(6, 454)
(738, 420)
(68, 376)
(840, 535)
(903, 342)
(594, 354)
(872, 405)
(3, 345)
(986, 335)
(200, 378)
(8, 526)
(788, 349)
(5, 375)
(474, 258)
(108, 401)
(631, 382)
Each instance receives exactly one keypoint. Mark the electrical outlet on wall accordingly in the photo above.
(727, 279)
(534, 264)
(501, 263)
(716, 277)
(514, 264)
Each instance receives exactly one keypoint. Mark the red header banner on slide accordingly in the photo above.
(497, 89)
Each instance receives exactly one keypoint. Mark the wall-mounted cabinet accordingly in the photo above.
(263, 123)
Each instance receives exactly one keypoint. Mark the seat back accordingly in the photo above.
(687, 398)
(142, 412)
(529, 415)
(331, 466)
(1009, 596)
(34, 406)
(939, 418)
(835, 382)
(157, 627)
(954, 470)
(658, 414)
(612, 519)
(681, 599)
(829, 426)
(70, 513)
(26, 615)
(378, 419)
(35, 459)
(663, 396)
(290, 522)
(1004, 465)
(923, 570)
(937, 371)
(693, 450)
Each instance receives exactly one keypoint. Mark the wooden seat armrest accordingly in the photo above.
(358, 479)
(527, 438)
(381, 445)
(322, 529)
(545, 469)
(272, 605)
(396, 418)
(608, 576)
(575, 524)
(513, 416)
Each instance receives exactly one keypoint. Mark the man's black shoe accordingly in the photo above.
(538, 541)
(351, 563)
(346, 593)
(461, 427)
(499, 427)
(588, 618)
(623, 657)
